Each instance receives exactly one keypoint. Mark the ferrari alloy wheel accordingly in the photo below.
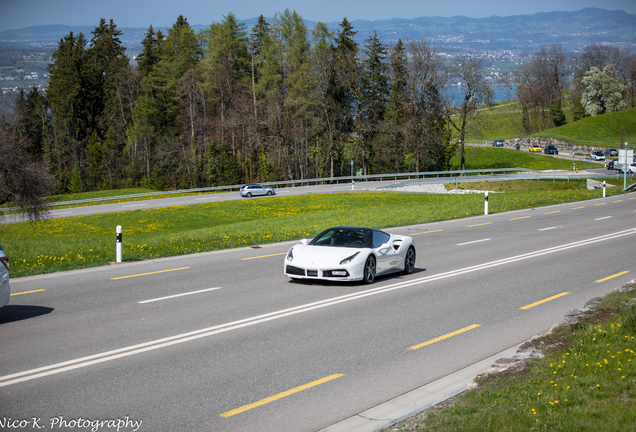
(369, 270)
(409, 261)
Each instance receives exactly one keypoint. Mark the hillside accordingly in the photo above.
(602, 128)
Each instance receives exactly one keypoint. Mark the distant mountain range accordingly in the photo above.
(519, 33)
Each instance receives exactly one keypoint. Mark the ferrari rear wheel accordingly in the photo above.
(409, 261)
(369, 270)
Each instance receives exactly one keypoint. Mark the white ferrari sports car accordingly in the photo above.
(350, 254)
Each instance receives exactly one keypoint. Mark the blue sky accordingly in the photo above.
(16, 14)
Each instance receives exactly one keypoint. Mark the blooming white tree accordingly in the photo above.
(603, 91)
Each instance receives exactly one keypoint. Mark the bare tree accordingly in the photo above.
(541, 83)
(475, 93)
(24, 182)
(598, 56)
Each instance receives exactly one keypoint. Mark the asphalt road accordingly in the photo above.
(222, 341)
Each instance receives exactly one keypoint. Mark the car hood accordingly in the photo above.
(320, 256)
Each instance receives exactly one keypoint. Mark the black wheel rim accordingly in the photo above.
(410, 260)
(369, 270)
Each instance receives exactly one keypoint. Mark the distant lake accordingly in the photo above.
(502, 93)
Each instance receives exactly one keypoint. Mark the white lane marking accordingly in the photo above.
(471, 242)
(61, 213)
(206, 198)
(551, 228)
(606, 217)
(259, 319)
(135, 205)
(179, 295)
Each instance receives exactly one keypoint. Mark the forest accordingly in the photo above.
(226, 106)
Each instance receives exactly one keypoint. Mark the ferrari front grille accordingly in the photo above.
(295, 271)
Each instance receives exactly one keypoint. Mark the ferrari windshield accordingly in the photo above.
(344, 237)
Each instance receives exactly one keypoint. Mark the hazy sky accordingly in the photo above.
(16, 14)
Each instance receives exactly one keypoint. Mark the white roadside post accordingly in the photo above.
(352, 181)
(486, 203)
(625, 165)
(118, 252)
(604, 184)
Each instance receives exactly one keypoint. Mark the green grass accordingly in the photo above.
(586, 382)
(88, 241)
(491, 157)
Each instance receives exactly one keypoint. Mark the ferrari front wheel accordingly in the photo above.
(369, 270)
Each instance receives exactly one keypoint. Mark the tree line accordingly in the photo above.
(227, 106)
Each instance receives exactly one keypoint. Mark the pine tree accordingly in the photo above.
(397, 103)
(151, 53)
(68, 97)
(375, 93)
(31, 124)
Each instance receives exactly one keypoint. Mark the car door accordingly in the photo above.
(386, 254)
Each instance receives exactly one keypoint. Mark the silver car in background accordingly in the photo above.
(5, 289)
(256, 190)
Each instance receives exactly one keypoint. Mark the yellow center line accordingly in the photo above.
(576, 208)
(263, 256)
(613, 276)
(446, 336)
(600, 204)
(280, 395)
(428, 232)
(544, 300)
(470, 226)
(632, 198)
(146, 274)
(618, 201)
(27, 292)
(522, 217)
(557, 211)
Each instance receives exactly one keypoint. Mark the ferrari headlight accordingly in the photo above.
(290, 255)
(349, 259)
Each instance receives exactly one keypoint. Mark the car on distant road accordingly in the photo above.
(550, 149)
(534, 149)
(611, 152)
(251, 190)
(5, 289)
(497, 143)
(350, 254)
(597, 155)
